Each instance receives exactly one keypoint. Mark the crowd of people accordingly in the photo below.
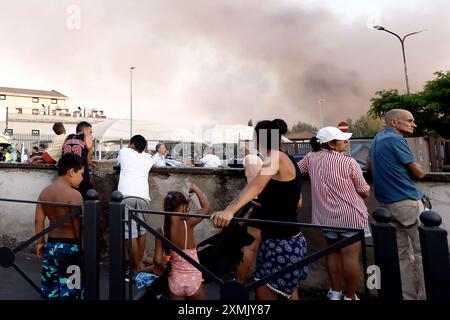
(274, 188)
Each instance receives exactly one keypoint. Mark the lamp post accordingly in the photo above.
(321, 113)
(402, 42)
(131, 101)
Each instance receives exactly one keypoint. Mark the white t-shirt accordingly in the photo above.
(159, 160)
(211, 161)
(134, 169)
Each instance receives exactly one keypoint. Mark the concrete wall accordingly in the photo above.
(220, 185)
(16, 219)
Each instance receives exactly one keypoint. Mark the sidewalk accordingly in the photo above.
(14, 287)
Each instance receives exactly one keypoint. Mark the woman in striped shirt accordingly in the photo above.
(337, 191)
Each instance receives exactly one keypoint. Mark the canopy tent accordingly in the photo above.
(228, 134)
(4, 141)
(115, 129)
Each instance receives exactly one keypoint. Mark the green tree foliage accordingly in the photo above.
(365, 127)
(302, 127)
(430, 107)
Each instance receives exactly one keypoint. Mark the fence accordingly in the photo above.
(90, 259)
(117, 251)
(26, 141)
(435, 256)
(439, 154)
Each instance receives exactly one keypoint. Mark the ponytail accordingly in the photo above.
(172, 202)
(281, 125)
(317, 146)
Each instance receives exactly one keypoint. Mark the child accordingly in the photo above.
(185, 281)
(53, 154)
(62, 249)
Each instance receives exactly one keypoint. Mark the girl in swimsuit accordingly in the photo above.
(185, 281)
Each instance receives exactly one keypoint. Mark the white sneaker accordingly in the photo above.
(347, 298)
(334, 295)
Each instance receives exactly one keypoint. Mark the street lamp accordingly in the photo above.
(402, 41)
(131, 101)
(321, 114)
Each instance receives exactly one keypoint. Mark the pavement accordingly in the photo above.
(14, 287)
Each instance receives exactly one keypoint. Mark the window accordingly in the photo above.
(35, 100)
(19, 110)
(54, 101)
(2, 97)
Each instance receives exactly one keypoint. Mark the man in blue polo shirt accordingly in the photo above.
(393, 168)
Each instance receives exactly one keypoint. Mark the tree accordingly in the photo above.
(302, 127)
(435, 101)
(365, 127)
(250, 123)
(430, 108)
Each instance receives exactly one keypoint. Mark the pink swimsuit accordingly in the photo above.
(184, 278)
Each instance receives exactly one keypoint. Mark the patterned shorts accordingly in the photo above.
(57, 272)
(276, 254)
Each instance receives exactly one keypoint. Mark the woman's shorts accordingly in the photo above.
(276, 254)
(334, 235)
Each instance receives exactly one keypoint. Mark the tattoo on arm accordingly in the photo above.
(235, 201)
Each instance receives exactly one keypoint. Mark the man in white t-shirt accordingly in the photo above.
(135, 165)
(211, 160)
(160, 156)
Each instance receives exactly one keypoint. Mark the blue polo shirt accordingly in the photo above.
(392, 181)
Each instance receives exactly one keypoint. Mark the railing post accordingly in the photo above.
(435, 256)
(386, 255)
(116, 248)
(91, 246)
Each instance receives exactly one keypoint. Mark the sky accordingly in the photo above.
(222, 61)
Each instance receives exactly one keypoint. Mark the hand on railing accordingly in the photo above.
(221, 219)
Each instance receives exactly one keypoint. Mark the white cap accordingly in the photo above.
(328, 134)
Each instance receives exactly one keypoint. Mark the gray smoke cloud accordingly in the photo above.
(219, 61)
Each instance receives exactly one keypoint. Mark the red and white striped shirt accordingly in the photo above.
(336, 180)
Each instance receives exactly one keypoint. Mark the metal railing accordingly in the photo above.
(90, 258)
(117, 264)
(27, 141)
(434, 251)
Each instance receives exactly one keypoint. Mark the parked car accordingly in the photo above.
(361, 162)
(174, 163)
(298, 156)
(236, 162)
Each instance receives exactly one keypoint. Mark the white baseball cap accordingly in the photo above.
(328, 134)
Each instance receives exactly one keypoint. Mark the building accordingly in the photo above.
(33, 112)
(33, 102)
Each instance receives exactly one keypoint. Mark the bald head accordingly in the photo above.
(393, 114)
(400, 120)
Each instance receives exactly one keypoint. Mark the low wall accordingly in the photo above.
(18, 181)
